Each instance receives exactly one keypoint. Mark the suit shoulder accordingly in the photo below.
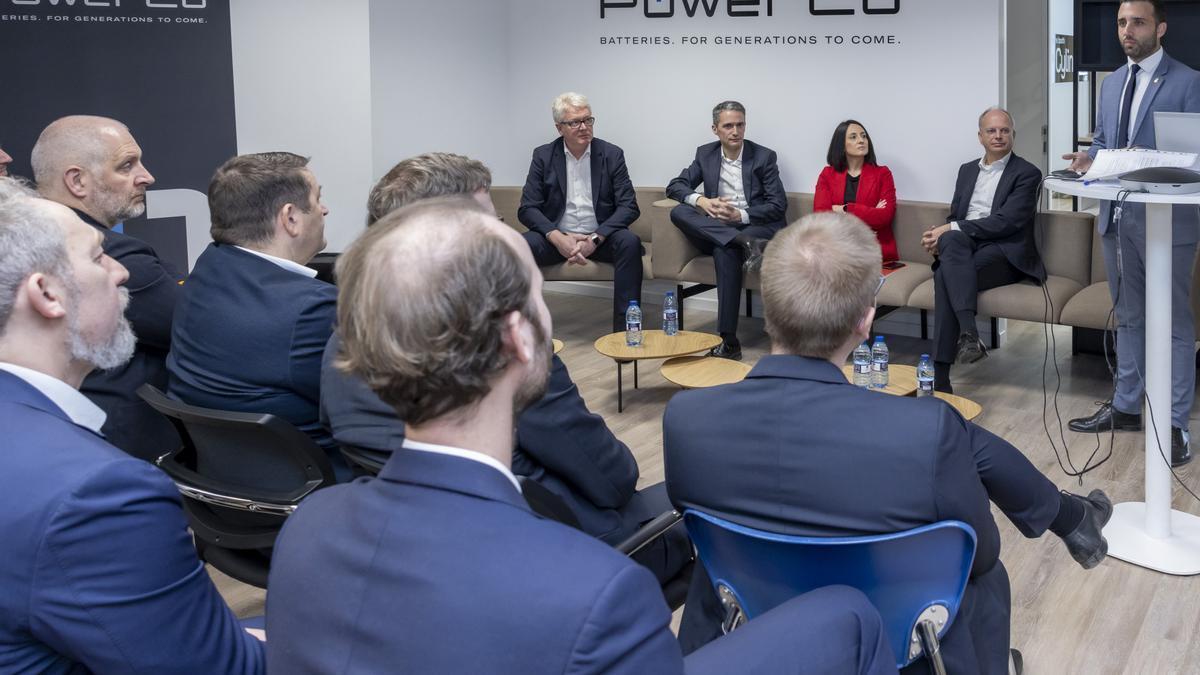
(606, 147)
(1025, 165)
(118, 245)
(759, 147)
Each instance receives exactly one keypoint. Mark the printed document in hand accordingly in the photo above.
(1112, 163)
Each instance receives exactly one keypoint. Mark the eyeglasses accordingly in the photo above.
(574, 124)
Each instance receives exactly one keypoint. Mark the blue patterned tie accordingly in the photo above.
(1123, 139)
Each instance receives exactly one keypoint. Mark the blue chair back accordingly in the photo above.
(903, 573)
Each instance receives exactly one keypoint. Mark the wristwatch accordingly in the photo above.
(595, 239)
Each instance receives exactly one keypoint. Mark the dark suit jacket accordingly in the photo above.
(760, 180)
(154, 288)
(812, 454)
(98, 569)
(249, 336)
(874, 183)
(1014, 209)
(425, 556)
(560, 443)
(544, 197)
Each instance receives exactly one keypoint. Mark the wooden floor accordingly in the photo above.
(1117, 618)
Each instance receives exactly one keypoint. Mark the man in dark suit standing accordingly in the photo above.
(444, 532)
(578, 203)
(94, 166)
(802, 461)
(253, 321)
(732, 203)
(98, 572)
(987, 241)
(1149, 82)
(561, 444)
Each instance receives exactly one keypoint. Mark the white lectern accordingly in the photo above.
(1150, 533)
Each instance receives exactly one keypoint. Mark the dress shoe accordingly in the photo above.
(727, 350)
(753, 248)
(1107, 418)
(970, 348)
(1016, 662)
(1086, 544)
(1181, 450)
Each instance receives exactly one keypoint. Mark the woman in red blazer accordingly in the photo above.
(853, 183)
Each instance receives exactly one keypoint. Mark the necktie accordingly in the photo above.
(1123, 139)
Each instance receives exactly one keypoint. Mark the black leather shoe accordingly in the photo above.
(970, 348)
(753, 249)
(1181, 450)
(1016, 662)
(1107, 418)
(1086, 543)
(727, 350)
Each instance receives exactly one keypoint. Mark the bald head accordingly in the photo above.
(92, 164)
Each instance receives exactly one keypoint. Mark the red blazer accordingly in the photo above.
(874, 184)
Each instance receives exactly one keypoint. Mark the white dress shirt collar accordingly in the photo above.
(735, 160)
(68, 399)
(1149, 64)
(286, 264)
(464, 454)
(997, 165)
(587, 153)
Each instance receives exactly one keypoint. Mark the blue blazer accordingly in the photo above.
(560, 443)
(98, 572)
(1014, 208)
(760, 181)
(154, 288)
(1174, 87)
(544, 197)
(249, 336)
(438, 566)
(814, 455)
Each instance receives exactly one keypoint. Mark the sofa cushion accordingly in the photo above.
(1024, 301)
(1062, 237)
(702, 270)
(1089, 308)
(901, 283)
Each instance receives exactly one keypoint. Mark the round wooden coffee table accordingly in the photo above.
(966, 407)
(902, 380)
(697, 372)
(655, 345)
(558, 344)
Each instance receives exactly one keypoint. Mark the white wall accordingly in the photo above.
(302, 83)
(1062, 138)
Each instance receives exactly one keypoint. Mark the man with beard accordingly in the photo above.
(98, 572)
(1150, 81)
(438, 565)
(94, 166)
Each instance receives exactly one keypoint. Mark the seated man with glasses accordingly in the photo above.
(578, 203)
(987, 242)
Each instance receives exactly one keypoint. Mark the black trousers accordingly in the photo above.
(622, 248)
(965, 267)
(715, 238)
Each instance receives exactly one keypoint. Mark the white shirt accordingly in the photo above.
(289, 265)
(1144, 77)
(985, 189)
(464, 454)
(68, 399)
(729, 187)
(579, 217)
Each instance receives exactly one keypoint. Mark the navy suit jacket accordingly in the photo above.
(154, 288)
(249, 336)
(439, 566)
(98, 573)
(544, 197)
(560, 443)
(760, 181)
(1174, 87)
(814, 455)
(1014, 208)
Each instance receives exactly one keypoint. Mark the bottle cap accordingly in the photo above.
(924, 356)
(879, 338)
(633, 303)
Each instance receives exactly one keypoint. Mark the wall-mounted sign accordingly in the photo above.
(1064, 58)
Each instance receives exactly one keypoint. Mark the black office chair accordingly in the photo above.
(241, 475)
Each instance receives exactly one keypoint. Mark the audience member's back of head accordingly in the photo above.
(819, 277)
(30, 242)
(434, 174)
(247, 191)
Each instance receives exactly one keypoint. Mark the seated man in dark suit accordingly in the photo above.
(252, 325)
(733, 202)
(560, 443)
(578, 203)
(818, 456)
(443, 531)
(98, 572)
(94, 166)
(987, 241)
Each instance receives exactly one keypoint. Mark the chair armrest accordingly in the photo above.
(672, 250)
(649, 532)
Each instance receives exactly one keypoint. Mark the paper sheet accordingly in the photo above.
(1113, 163)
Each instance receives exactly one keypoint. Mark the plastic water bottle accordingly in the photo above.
(879, 363)
(925, 376)
(862, 366)
(633, 325)
(670, 314)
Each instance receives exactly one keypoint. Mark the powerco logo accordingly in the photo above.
(151, 4)
(665, 9)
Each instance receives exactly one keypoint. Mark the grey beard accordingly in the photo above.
(114, 211)
(105, 354)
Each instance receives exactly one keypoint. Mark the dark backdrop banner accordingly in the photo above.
(163, 67)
